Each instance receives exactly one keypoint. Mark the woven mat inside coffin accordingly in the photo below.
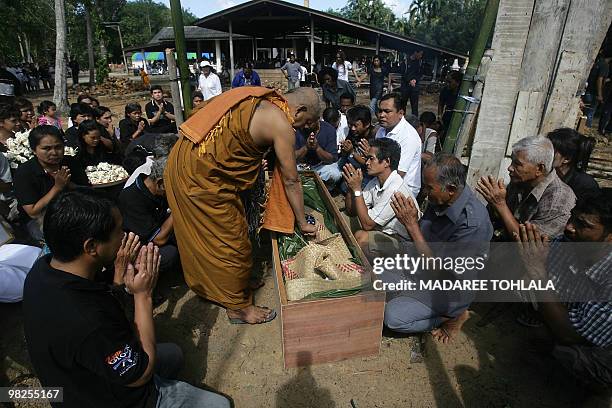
(324, 264)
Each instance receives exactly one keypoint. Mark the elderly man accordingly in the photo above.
(456, 225)
(577, 313)
(380, 231)
(217, 158)
(535, 193)
(145, 213)
(394, 126)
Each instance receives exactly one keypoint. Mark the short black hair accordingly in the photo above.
(573, 146)
(198, 94)
(88, 126)
(427, 118)
(359, 112)
(455, 76)
(134, 160)
(39, 132)
(44, 107)
(398, 102)
(22, 103)
(328, 71)
(331, 115)
(83, 96)
(73, 217)
(132, 107)
(388, 149)
(156, 88)
(80, 108)
(348, 96)
(599, 205)
(100, 111)
(8, 111)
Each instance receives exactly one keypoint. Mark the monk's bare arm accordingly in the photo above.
(269, 125)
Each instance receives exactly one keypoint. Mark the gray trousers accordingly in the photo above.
(179, 394)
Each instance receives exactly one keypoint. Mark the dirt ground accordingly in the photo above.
(490, 364)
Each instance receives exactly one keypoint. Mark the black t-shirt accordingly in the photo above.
(410, 69)
(582, 184)
(31, 182)
(143, 213)
(377, 82)
(448, 97)
(78, 338)
(71, 137)
(163, 125)
(127, 127)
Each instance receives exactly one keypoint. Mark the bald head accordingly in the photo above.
(304, 100)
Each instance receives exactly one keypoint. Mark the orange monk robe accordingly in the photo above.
(214, 160)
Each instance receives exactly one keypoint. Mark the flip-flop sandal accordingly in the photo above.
(268, 319)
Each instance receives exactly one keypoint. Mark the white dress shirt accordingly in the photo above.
(209, 86)
(410, 160)
(342, 130)
(378, 200)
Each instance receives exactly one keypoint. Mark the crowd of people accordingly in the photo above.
(186, 205)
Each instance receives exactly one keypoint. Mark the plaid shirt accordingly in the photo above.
(591, 319)
(547, 205)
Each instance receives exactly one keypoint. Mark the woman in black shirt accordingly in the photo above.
(92, 151)
(104, 117)
(44, 176)
(133, 126)
(572, 153)
(377, 73)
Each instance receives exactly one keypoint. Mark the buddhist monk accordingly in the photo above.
(218, 156)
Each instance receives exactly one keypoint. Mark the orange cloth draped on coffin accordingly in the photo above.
(214, 160)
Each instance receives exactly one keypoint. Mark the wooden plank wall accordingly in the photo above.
(543, 52)
(501, 90)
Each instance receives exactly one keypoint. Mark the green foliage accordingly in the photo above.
(448, 23)
(102, 70)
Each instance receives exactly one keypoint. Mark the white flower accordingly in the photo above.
(105, 173)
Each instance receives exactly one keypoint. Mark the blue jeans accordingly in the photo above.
(374, 105)
(177, 394)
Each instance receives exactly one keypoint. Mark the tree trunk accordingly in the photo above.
(60, 92)
(90, 51)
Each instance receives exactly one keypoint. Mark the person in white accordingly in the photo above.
(15, 263)
(208, 83)
(343, 67)
(380, 231)
(394, 126)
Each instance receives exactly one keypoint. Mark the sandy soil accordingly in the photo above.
(490, 364)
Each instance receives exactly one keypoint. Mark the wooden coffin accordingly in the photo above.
(327, 330)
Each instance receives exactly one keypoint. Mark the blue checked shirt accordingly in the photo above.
(591, 319)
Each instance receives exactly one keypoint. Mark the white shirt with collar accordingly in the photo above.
(410, 160)
(209, 86)
(342, 130)
(378, 200)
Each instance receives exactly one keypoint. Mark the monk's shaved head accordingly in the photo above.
(305, 98)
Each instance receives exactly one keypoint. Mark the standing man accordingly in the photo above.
(411, 75)
(292, 71)
(209, 83)
(246, 77)
(74, 70)
(394, 126)
(159, 112)
(594, 95)
(217, 158)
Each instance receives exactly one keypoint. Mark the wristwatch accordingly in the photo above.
(357, 193)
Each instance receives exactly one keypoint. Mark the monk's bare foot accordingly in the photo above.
(450, 328)
(251, 314)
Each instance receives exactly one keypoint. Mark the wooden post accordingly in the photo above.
(585, 29)
(312, 45)
(174, 87)
(499, 97)
(218, 55)
(231, 47)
